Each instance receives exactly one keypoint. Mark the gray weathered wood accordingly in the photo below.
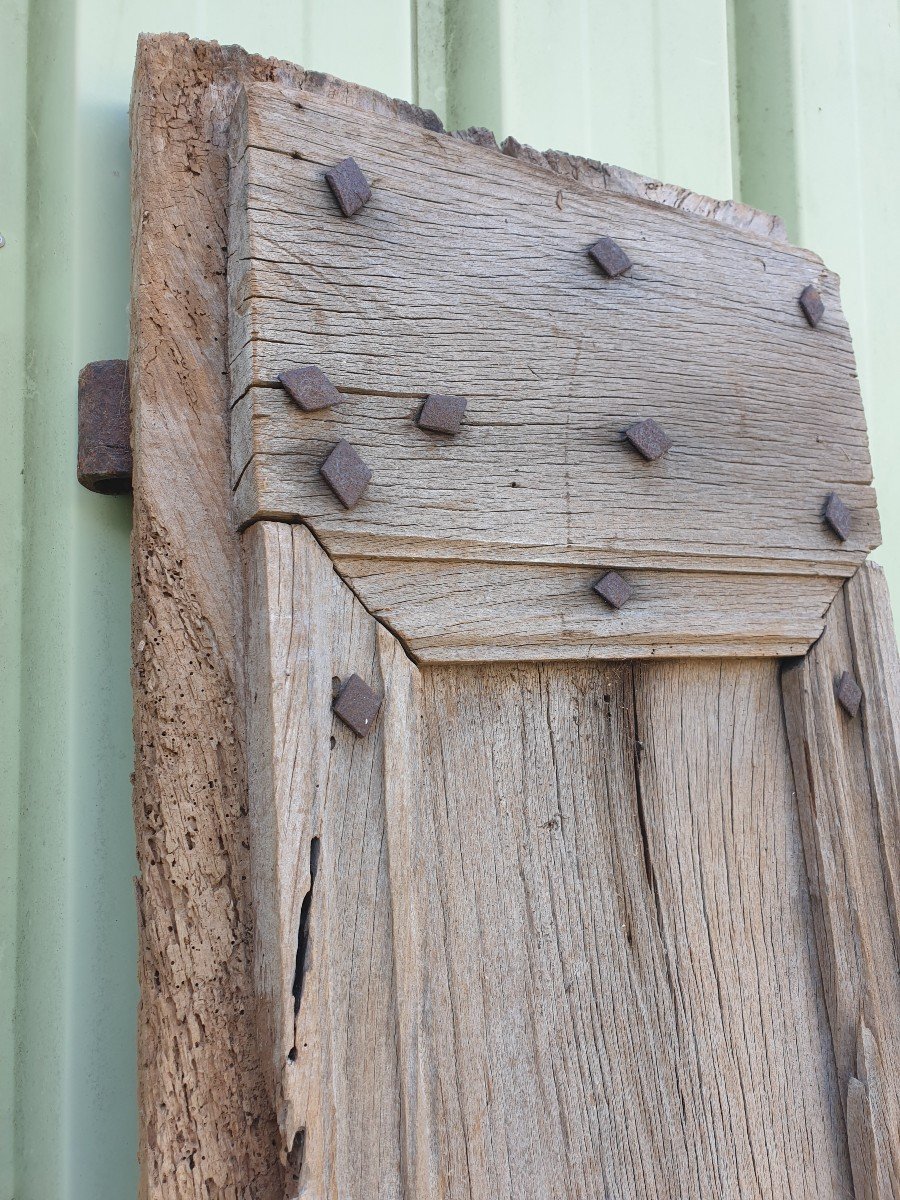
(558, 943)
(476, 612)
(846, 772)
(546, 481)
(328, 1033)
(589, 881)
(467, 273)
(207, 1122)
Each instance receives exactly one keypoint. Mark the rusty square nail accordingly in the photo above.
(811, 303)
(849, 694)
(104, 427)
(357, 705)
(610, 257)
(648, 439)
(349, 186)
(837, 516)
(442, 414)
(345, 473)
(614, 590)
(309, 387)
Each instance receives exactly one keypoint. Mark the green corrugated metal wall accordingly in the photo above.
(791, 105)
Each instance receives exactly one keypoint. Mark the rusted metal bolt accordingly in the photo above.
(357, 705)
(837, 516)
(811, 303)
(349, 186)
(610, 257)
(442, 414)
(849, 694)
(614, 590)
(104, 427)
(648, 439)
(345, 473)
(310, 387)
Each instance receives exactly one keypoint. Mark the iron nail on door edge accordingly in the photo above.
(357, 705)
(610, 257)
(648, 439)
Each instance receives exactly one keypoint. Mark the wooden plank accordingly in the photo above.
(591, 885)
(846, 772)
(320, 872)
(207, 1125)
(476, 612)
(705, 335)
(539, 481)
(870, 625)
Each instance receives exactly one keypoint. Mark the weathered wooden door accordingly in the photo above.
(561, 882)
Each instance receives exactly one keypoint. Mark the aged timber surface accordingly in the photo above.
(578, 891)
(207, 1119)
(608, 853)
(467, 273)
(847, 772)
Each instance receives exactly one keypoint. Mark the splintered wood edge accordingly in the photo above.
(571, 168)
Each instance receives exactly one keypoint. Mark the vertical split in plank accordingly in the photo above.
(557, 939)
(206, 1121)
(846, 775)
(323, 953)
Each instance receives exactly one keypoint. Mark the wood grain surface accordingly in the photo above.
(554, 929)
(577, 889)
(208, 1127)
(467, 274)
(846, 772)
(441, 612)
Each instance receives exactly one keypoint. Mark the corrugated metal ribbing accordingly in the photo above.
(818, 88)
